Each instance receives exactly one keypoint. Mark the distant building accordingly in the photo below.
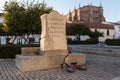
(107, 30)
(87, 13)
(118, 22)
(1, 19)
(91, 16)
(116, 28)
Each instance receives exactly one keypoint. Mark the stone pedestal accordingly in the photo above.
(53, 38)
(30, 51)
(54, 52)
(53, 47)
(33, 63)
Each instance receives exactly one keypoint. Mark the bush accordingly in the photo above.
(113, 42)
(69, 39)
(10, 51)
(93, 40)
(88, 41)
(83, 42)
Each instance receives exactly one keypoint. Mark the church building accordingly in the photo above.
(87, 13)
(91, 16)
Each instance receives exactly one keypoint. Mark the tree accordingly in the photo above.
(77, 30)
(13, 20)
(2, 33)
(95, 35)
(1, 29)
(23, 18)
(33, 13)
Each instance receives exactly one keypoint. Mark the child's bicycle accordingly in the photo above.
(71, 68)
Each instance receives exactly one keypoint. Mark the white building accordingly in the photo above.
(1, 19)
(117, 31)
(107, 30)
(116, 28)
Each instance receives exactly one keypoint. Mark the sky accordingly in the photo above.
(111, 7)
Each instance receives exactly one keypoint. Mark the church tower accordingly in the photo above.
(75, 18)
(70, 16)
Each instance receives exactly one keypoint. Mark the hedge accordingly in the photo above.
(114, 42)
(9, 51)
(82, 42)
(88, 41)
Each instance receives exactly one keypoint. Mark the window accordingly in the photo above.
(108, 33)
(95, 30)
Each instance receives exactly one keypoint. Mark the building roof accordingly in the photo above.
(98, 25)
(95, 25)
(111, 23)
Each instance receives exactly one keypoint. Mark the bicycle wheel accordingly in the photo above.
(70, 69)
(81, 67)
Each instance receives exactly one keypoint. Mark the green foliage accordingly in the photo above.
(83, 42)
(77, 30)
(95, 34)
(93, 40)
(9, 51)
(88, 41)
(12, 18)
(69, 39)
(1, 29)
(23, 18)
(113, 42)
(2, 33)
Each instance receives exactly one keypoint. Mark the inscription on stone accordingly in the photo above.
(55, 27)
(53, 32)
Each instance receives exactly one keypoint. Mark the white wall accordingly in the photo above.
(3, 39)
(84, 37)
(110, 36)
(101, 39)
(117, 31)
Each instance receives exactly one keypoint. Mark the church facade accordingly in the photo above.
(91, 16)
(87, 13)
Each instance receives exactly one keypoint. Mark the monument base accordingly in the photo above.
(34, 63)
(30, 51)
(54, 52)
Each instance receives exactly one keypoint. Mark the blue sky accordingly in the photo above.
(111, 7)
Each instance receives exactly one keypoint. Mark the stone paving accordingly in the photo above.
(99, 68)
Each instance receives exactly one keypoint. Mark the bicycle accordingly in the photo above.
(71, 68)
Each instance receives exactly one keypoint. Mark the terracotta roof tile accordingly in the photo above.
(98, 25)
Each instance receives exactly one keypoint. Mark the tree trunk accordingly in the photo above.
(26, 39)
(78, 37)
(14, 40)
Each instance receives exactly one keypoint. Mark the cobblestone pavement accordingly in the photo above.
(99, 68)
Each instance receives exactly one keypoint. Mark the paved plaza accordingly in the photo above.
(99, 68)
